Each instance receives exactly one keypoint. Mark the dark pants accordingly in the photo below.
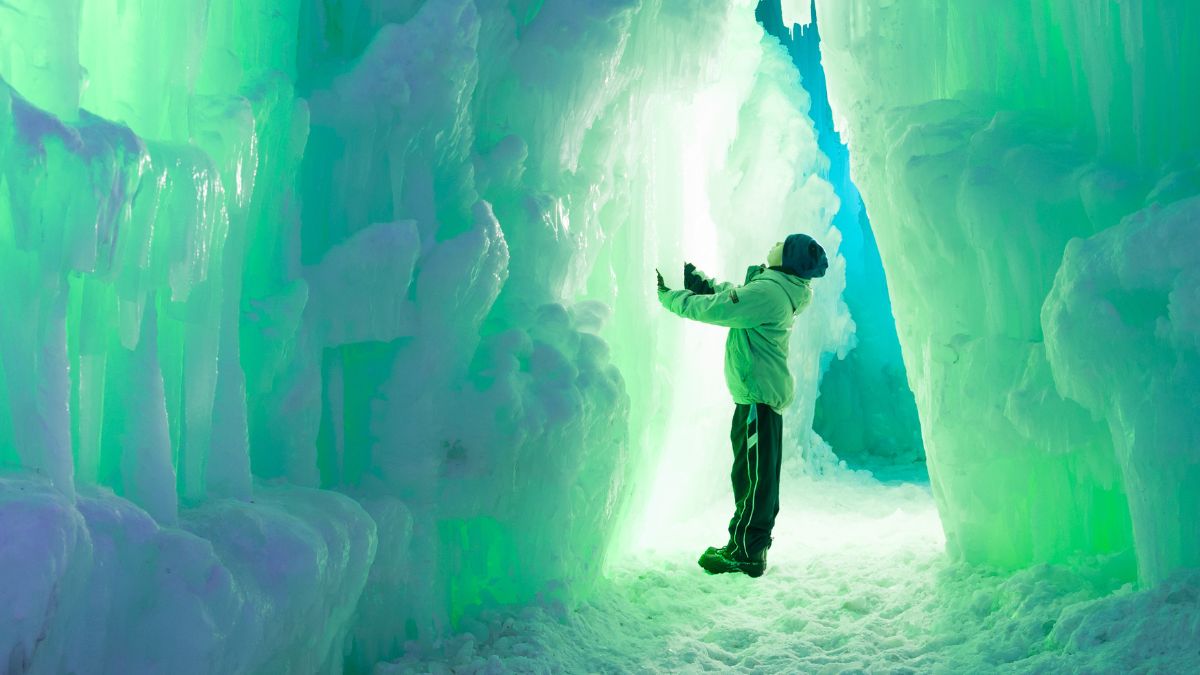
(756, 434)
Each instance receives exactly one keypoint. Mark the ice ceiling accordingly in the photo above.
(324, 324)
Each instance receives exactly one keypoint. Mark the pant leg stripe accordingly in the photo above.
(751, 446)
(742, 506)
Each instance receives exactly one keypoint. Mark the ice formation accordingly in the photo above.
(328, 324)
(865, 410)
(1029, 168)
(327, 328)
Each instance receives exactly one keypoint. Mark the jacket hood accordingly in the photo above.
(804, 257)
(796, 287)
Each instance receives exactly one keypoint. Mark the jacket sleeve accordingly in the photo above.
(746, 307)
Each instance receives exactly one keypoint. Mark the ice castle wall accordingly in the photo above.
(1028, 169)
(326, 324)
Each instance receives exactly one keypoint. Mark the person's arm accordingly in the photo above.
(746, 307)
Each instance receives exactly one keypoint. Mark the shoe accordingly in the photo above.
(720, 561)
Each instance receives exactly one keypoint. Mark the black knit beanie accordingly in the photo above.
(804, 257)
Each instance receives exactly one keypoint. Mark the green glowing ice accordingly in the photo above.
(986, 138)
(399, 252)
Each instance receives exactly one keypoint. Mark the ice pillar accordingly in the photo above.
(985, 159)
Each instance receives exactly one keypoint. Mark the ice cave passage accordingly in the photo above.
(329, 336)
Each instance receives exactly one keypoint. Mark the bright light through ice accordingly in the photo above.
(827, 516)
(694, 463)
(700, 232)
(797, 12)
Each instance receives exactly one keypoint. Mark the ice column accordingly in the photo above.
(996, 170)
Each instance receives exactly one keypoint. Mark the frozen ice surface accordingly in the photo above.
(236, 587)
(1138, 285)
(1028, 173)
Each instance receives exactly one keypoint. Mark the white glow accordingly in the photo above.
(694, 460)
(797, 12)
(850, 512)
(700, 232)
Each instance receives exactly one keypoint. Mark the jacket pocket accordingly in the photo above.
(741, 360)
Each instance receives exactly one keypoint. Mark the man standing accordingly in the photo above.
(759, 315)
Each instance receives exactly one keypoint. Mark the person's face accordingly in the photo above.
(775, 255)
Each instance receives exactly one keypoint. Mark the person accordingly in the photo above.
(759, 315)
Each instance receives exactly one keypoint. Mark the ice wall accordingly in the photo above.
(1028, 168)
(866, 411)
(326, 324)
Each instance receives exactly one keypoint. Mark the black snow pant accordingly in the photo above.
(756, 434)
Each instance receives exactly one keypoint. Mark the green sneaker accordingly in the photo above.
(720, 561)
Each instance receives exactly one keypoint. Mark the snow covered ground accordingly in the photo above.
(858, 582)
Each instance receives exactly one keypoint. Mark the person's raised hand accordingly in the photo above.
(691, 280)
(662, 285)
(694, 282)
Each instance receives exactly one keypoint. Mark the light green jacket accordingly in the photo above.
(759, 315)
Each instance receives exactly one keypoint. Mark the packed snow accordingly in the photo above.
(858, 582)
